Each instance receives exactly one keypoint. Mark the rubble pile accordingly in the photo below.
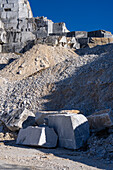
(40, 57)
(101, 146)
(80, 81)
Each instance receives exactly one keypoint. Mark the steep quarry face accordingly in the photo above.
(3, 38)
(24, 9)
(12, 11)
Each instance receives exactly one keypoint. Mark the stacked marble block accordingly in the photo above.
(18, 22)
(13, 11)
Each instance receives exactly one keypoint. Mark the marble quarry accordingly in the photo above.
(19, 30)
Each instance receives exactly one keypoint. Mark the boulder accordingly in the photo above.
(41, 115)
(18, 119)
(72, 129)
(101, 120)
(37, 136)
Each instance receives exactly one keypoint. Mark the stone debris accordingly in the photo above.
(42, 57)
(3, 85)
(101, 120)
(7, 58)
(6, 134)
(61, 41)
(72, 129)
(18, 119)
(101, 146)
(64, 85)
(37, 136)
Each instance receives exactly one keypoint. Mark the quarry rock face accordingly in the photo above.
(19, 30)
(94, 41)
(18, 119)
(37, 136)
(100, 33)
(72, 129)
(14, 13)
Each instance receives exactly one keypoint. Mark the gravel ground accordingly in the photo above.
(13, 156)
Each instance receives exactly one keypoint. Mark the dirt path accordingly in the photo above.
(16, 157)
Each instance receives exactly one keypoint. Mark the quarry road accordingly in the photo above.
(13, 156)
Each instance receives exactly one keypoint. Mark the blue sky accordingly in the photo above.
(79, 15)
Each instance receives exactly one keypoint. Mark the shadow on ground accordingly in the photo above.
(73, 155)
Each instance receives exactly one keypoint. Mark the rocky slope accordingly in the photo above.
(82, 81)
